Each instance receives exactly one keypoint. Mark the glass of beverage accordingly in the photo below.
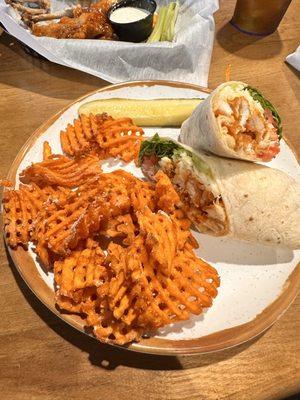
(259, 17)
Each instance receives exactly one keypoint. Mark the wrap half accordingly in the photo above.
(234, 121)
(225, 197)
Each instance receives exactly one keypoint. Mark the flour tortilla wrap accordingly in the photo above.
(261, 204)
(258, 124)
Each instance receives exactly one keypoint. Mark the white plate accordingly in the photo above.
(255, 280)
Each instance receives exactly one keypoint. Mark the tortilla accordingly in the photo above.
(204, 131)
(262, 204)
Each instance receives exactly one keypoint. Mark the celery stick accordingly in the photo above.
(156, 33)
(168, 19)
(171, 31)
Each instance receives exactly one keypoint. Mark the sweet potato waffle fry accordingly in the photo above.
(167, 197)
(61, 226)
(103, 135)
(62, 171)
(47, 151)
(81, 301)
(142, 194)
(140, 295)
(18, 218)
(121, 249)
(120, 138)
(168, 200)
(80, 270)
(80, 138)
(109, 329)
(94, 307)
(21, 208)
(184, 234)
(160, 234)
(111, 188)
(122, 227)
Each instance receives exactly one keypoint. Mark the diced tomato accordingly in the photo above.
(270, 118)
(149, 165)
(270, 153)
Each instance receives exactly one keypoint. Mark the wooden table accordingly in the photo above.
(42, 358)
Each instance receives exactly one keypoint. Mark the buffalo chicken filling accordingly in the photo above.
(198, 193)
(248, 128)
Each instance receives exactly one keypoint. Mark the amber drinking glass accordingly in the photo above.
(259, 17)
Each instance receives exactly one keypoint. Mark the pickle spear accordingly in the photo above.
(158, 112)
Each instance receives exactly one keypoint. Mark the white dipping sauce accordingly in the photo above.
(125, 15)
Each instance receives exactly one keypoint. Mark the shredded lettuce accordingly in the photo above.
(200, 165)
(162, 147)
(159, 146)
(256, 95)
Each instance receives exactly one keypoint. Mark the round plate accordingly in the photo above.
(257, 283)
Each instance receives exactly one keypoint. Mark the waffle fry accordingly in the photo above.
(120, 138)
(73, 140)
(160, 234)
(62, 171)
(121, 226)
(61, 226)
(140, 295)
(82, 300)
(21, 208)
(126, 284)
(18, 217)
(126, 149)
(111, 188)
(184, 235)
(103, 134)
(81, 269)
(167, 197)
(108, 329)
(142, 194)
(99, 317)
(63, 223)
(189, 289)
(47, 151)
(80, 138)
(168, 200)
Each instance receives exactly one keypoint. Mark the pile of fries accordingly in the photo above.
(120, 248)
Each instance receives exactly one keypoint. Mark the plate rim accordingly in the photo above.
(221, 340)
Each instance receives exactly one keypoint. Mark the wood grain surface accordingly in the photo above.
(43, 358)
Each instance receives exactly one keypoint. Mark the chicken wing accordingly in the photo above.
(86, 23)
